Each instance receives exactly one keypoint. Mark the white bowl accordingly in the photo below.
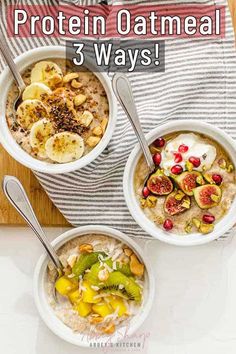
(225, 224)
(56, 325)
(23, 61)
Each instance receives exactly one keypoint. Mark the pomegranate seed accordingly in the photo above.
(217, 179)
(168, 225)
(183, 148)
(157, 158)
(195, 161)
(178, 157)
(177, 169)
(146, 192)
(208, 219)
(159, 142)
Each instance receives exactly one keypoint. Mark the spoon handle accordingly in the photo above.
(17, 196)
(10, 62)
(123, 92)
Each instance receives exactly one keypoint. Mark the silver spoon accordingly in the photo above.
(6, 53)
(17, 196)
(123, 92)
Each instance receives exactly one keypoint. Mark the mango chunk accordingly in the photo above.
(74, 296)
(64, 285)
(83, 308)
(88, 293)
(102, 309)
(117, 303)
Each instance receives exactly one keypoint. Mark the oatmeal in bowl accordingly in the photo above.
(106, 289)
(191, 194)
(66, 117)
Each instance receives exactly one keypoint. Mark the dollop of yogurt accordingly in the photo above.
(197, 147)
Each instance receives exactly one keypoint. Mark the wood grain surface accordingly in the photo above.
(47, 213)
(45, 210)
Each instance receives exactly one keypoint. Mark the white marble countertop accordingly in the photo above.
(194, 310)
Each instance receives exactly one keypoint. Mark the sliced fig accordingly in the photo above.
(187, 181)
(159, 184)
(174, 206)
(207, 196)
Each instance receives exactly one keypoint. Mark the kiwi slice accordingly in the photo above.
(117, 278)
(85, 261)
(117, 292)
(92, 276)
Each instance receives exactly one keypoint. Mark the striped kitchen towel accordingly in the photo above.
(199, 83)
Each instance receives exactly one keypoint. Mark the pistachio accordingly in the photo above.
(189, 166)
(79, 99)
(103, 274)
(186, 203)
(222, 163)
(93, 141)
(215, 198)
(86, 248)
(128, 252)
(136, 267)
(151, 201)
(104, 124)
(200, 180)
(188, 227)
(179, 195)
(98, 130)
(69, 77)
(196, 222)
(159, 220)
(76, 84)
(143, 202)
(206, 228)
(230, 168)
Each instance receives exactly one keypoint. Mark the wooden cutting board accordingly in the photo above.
(46, 212)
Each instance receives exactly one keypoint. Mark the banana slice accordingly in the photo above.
(29, 112)
(37, 90)
(46, 72)
(65, 147)
(40, 132)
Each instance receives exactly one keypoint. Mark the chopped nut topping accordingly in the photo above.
(76, 84)
(86, 248)
(69, 77)
(93, 141)
(98, 130)
(136, 267)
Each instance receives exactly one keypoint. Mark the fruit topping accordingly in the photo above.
(157, 158)
(183, 148)
(196, 222)
(207, 196)
(230, 168)
(178, 157)
(177, 169)
(149, 202)
(189, 166)
(222, 163)
(146, 192)
(159, 184)
(168, 225)
(195, 161)
(159, 142)
(173, 205)
(187, 181)
(217, 179)
(208, 219)
(85, 261)
(206, 228)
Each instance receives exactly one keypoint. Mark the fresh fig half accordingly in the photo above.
(174, 205)
(159, 184)
(187, 181)
(207, 196)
